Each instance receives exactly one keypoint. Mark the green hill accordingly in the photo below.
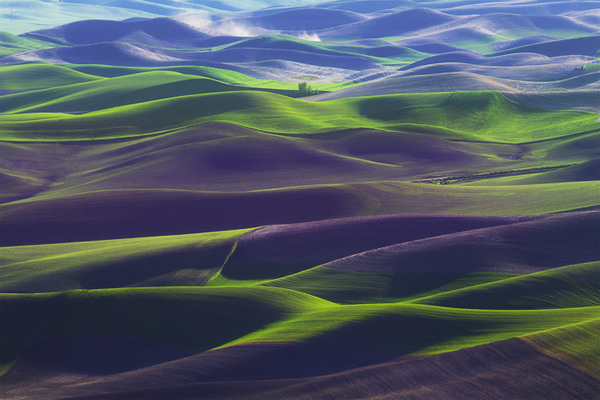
(576, 344)
(39, 76)
(349, 287)
(494, 118)
(566, 287)
(194, 319)
(13, 44)
(153, 261)
(108, 93)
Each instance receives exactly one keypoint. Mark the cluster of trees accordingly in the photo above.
(304, 89)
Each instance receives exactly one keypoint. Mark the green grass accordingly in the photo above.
(187, 259)
(12, 44)
(22, 318)
(222, 75)
(566, 287)
(396, 197)
(575, 344)
(192, 319)
(40, 76)
(478, 116)
(592, 67)
(583, 171)
(348, 287)
(402, 329)
(108, 93)
(484, 44)
(377, 198)
(199, 319)
(453, 179)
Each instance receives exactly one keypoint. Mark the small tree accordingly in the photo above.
(304, 89)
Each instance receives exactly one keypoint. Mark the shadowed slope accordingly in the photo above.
(227, 157)
(156, 30)
(480, 32)
(230, 364)
(528, 8)
(109, 53)
(527, 74)
(257, 57)
(189, 319)
(585, 100)
(300, 19)
(347, 336)
(459, 81)
(564, 287)
(442, 82)
(391, 24)
(381, 51)
(582, 46)
(586, 171)
(120, 214)
(517, 248)
(276, 251)
(401, 329)
(520, 59)
(491, 371)
(124, 213)
(188, 260)
(511, 44)
(350, 287)
(576, 344)
(208, 157)
(76, 357)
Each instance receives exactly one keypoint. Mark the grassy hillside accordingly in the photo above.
(349, 287)
(486, 112)
(401, 329)
(179, 222)
(123, 213)
(575, 344)
(223, 75)
(40, 76)
(12, 44)
(108, 93)
(221, 157)
(197, 319)
(177, 316)
(565, 287)
(156, 261)
(587, 45)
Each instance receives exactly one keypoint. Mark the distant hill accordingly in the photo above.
(589, 46)
(158, 30)
(301, 19)
(394, 24)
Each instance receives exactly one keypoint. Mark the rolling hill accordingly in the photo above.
(284, 115)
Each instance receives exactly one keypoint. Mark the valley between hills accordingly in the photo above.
(269, 199)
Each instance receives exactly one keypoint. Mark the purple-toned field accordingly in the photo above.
(300, 200)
